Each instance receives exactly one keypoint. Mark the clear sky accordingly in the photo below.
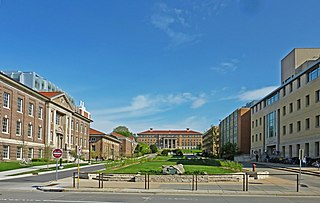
(171, 64)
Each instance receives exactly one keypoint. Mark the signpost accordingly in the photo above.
(79, 151)
(301, 156)
(57, 153)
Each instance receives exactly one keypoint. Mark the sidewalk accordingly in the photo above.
(270, 186)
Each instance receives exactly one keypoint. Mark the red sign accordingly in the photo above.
(57, 153)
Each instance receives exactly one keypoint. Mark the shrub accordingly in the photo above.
(165, 152)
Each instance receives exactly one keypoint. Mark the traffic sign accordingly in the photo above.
(79, 152)
(57, 153)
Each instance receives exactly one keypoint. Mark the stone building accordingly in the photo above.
(210, 141)
(104, 146)
(171, 139)
(288, 119)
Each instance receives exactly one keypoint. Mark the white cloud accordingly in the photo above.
(256, 94)
(226, 66)
(172, 21)
(143, 105)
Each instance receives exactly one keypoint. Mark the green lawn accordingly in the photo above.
(11, 165)
(155, 166)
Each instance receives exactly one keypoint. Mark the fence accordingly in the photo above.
(242, 185)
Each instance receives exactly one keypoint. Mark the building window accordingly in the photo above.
(30, 109)
(291, 107)
(317, 150)
(317, 99)
(93, 148)
(260, 137)
(284, 110)
(284, 91)
(40, 113)
(58, 119)
(298, 104)
(5, 125)
(72, 124)
(6, 152)
(284, 129)
(77, 126)
(307, 100)
(313, 74)
(40, 153)
(291, 128)
(81, 128)
(307, 123)
(40, 133)
(85, 130)
(260, 121)
(30, 153)
(19, 152)
(256, 137)
(291, 87)
(290, 151)
(18, 128)
(298, 82)
(271, 124)
(317, 121)
(6, 100)
(298, 126)
(30, 130)
(19, 105)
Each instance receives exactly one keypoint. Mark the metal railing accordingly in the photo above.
(195, 179)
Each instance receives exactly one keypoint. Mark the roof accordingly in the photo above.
(169, 132)
(50, 94)
(95, 132)
(118, 135)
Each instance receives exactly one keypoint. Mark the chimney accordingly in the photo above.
(188, 129)
(151, 129)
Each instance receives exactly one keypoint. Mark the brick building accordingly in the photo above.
(104, 146)
(33, 123)
(171, 139)
(128, 144)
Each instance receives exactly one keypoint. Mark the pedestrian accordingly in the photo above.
(267, 157)
(257, 157)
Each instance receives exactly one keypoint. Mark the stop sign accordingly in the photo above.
(57, 153)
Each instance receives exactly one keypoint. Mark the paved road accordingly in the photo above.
(33, 197)
(26, 183)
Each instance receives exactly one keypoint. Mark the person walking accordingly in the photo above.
(257, 157)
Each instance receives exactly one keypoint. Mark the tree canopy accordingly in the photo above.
(123, 130)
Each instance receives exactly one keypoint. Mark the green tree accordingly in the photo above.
(142, 148)
(123, 130)
(228, 150)
(153, 148)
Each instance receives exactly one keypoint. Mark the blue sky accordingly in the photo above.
(164, 64)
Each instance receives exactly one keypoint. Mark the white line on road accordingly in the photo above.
(53, 200)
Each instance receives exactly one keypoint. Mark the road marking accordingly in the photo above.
(52, 200)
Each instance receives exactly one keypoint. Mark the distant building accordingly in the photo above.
(128, 144)
(103, 146)
(210, 141)
(171, 139)
(288, 119)
(235, 129)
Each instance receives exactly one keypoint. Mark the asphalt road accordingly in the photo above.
(33, 197)
(27, 183)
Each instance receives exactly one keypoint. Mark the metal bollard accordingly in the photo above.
(74, 180)
(148, 181)
(298, 183)
(196, 182)
(145, 181)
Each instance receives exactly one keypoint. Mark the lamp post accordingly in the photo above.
(89, 151)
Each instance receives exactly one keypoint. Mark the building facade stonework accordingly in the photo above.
(171, 139)
(288, 119)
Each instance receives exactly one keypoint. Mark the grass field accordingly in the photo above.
(198, 166)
